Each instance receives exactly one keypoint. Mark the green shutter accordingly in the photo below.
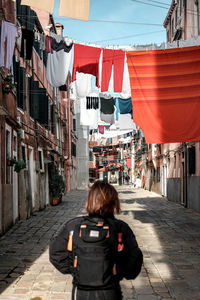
(34, 100)
(43, 108)
(53, 119)
(21, 97)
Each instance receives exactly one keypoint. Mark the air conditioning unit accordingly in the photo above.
(21, 134)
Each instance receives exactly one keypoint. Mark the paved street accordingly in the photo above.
(168, 235)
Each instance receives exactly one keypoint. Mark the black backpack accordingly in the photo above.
(95, 248)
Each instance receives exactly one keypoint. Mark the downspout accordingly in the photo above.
(197, 6)
(185, 19)
(185, 176)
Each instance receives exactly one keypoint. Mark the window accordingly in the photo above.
(181, 6)
(74, 124)
(20, 81)
(172, 29)
(38, 103)
(191, 160)
(158, 174)
(24, 153)
(73, 149)
(176, 17)
(167, 35)
(91, 156)
(8, 155)
(41, 160)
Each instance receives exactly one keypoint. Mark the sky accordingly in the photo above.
(110, 32)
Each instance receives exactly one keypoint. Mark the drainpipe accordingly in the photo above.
(197, 7)
(185, 19)
(185, 176)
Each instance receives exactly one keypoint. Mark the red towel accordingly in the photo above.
(165, 87)
(86, 60)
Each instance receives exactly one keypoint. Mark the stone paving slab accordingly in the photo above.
(168, 234)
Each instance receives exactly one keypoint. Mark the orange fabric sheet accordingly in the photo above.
(165, 88)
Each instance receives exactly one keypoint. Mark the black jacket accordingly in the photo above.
(130, 261)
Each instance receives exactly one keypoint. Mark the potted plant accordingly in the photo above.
(18, 164)
(56, 188)
(8, 83)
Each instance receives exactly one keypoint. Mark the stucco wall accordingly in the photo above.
(174, 189)
(193, 192)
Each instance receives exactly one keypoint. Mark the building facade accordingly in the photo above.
(173, 170)
(36, 124)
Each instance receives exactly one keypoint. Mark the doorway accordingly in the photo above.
(15, 181)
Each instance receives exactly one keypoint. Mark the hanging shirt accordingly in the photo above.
(107, 105)
(57, 46)
(107, 118)
(83, 85)
(57, 69)
(9, 32)
(113, 58)
(88, 117)
(124, 105)
(92, 102)
(86, 60)
(48, 44)
(125, 122)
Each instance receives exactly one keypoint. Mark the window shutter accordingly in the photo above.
(53, 119)
(43, 108)
(16, 68)
(191, 160)
(34, 100)
(21, 97)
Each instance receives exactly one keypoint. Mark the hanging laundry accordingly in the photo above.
(46, 5)
(124, 105)
(57, 46)
(88, 117)
(86, 60)
(57, 69)
(125, 122)
(126, 87)
(113, 58)
(75, 9)
(28, 36)
(48, 44)
(42, 42)
(37, 36)
(107, 118)
(101, 129)
(8, 31)
(83, 84)
(165, 87)
(117, 111)
(92, 102)
(107, 105)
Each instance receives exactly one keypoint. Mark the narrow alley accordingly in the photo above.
(168, 234)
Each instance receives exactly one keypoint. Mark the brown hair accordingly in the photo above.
(102, 199)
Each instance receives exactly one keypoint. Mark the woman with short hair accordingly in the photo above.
(98, 250)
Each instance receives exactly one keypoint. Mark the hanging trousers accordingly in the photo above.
(113, 58)
(28, 36)
(9, 32)
(86, 60)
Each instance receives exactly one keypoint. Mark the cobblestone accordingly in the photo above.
(168, 234)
